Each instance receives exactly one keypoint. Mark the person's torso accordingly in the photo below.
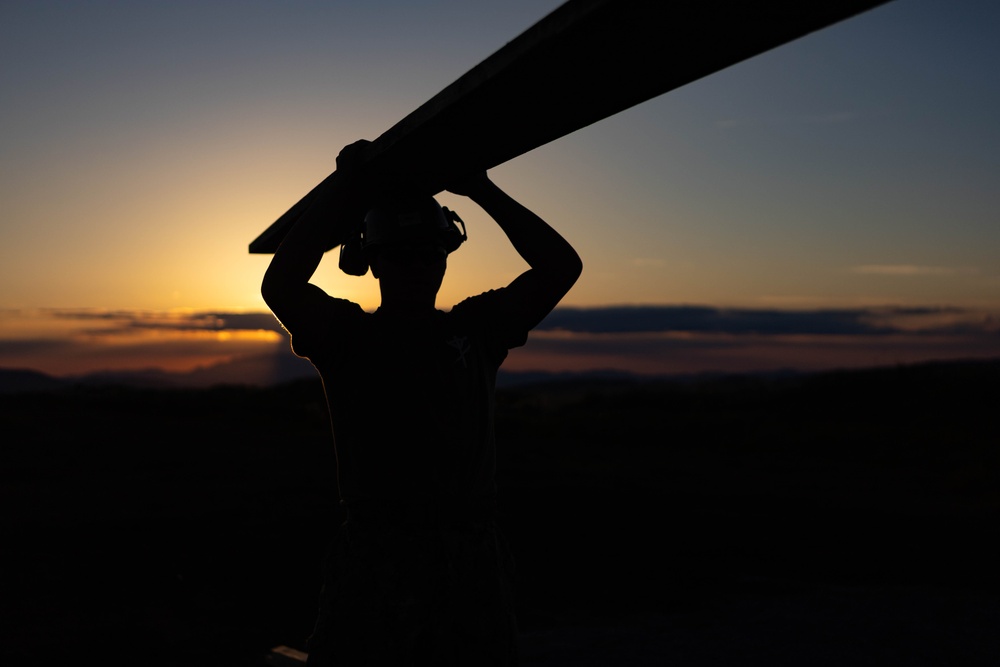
(412, 408)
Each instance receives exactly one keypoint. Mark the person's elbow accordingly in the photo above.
(576, 266)
(273, 289)
(562, 275)
(570, 269)
(267, 295)
(268, 290)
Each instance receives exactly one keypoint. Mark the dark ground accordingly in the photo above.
(837, 519)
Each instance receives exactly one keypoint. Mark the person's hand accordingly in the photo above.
(351, 172)
(351, 157)
(470, 185)
(357, 188)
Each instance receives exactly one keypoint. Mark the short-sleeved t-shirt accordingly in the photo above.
(412, 400)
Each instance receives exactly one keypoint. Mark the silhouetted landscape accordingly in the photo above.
(829, 519)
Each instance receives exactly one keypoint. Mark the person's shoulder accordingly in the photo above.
(489, 300)
(344, 306)
(493, 315)
(332, 318)
(331, 309)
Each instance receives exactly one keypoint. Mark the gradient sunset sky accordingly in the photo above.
(833, 202)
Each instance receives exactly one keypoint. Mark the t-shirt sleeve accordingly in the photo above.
(494, 314)
(321, 336)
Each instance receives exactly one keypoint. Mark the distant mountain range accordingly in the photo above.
(261, 371)
(272, 370)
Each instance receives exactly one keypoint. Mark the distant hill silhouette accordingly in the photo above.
(265, 370)
(268, 370)
(13, 380)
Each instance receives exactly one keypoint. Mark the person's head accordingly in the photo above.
(411, 220)
(407, 240)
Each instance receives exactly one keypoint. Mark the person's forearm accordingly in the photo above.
(534, 240)
(328, 221)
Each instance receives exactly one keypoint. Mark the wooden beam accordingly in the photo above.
(587, 60)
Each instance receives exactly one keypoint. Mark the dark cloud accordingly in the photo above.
(634, 345)
(744, 321)
(119, 321)
(703, 319)
(13, 348)
(249, 321)
(923, 310)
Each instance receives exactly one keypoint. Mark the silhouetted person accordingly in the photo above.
(418, 573)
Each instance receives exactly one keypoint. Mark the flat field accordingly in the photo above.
(833, 519)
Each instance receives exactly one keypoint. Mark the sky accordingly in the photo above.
(830, 203)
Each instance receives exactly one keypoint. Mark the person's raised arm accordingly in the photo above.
(329, 220)
(554, 264)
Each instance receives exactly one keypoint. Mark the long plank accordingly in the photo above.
(587, 60)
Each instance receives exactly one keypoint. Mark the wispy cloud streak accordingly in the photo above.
(906, 270)
(122, 321)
